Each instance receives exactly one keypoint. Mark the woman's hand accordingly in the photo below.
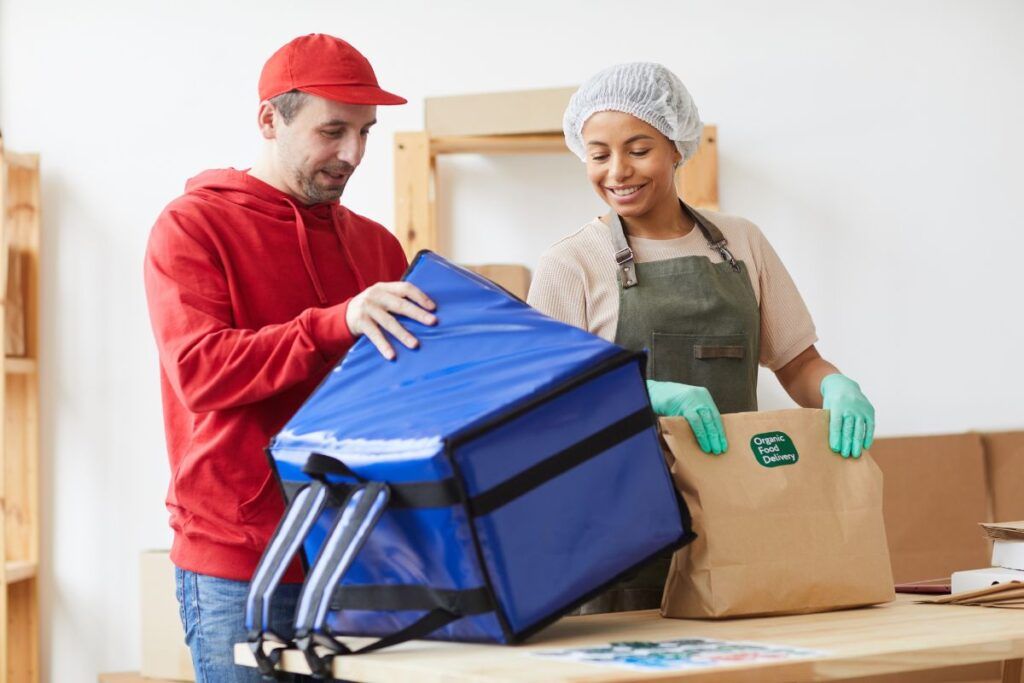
(851, 424)
(672, 399)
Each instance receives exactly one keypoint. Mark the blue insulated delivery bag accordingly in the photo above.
(474, 489)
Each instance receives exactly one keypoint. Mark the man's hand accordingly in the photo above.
(375, 308)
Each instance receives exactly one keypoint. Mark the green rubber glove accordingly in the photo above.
(696, 405)
(851, 424)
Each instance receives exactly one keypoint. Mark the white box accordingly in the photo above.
(1008, 554)
(976, 579)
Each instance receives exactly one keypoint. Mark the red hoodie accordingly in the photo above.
(247, 292)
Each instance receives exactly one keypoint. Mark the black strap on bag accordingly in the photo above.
(298, 518)
(417, 494)
(557, 464)
(412, 598)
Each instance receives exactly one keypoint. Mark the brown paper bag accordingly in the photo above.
(784, 525)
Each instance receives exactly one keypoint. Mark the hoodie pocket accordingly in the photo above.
(265, 506)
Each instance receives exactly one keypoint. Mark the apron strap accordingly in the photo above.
(626, 261)
(716, 240)
(623, 254)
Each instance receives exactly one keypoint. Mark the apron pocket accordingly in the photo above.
(707, 352)
(720, 362)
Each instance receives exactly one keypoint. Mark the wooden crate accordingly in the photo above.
(19, 398)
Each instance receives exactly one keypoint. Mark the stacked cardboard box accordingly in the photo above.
(503, 113)
(514, 279)
(164, 653)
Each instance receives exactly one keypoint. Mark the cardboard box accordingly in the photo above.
(1004, 452)
(130, 677)
(935, 495)
(515, 279)
(504, 113)
(164, 653)
(989, 672)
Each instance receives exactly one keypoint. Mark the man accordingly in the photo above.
(258, 282)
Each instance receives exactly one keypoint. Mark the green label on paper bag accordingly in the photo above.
(774, 449)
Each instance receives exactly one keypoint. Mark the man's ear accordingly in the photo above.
(268, 120)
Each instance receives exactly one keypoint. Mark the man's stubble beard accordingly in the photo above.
(314, 193)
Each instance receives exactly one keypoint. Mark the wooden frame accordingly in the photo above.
(415, 175)
(19, 398)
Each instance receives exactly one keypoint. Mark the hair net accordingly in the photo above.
(645, 90)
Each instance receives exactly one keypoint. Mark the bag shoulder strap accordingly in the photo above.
(356, 519)
(298, 519)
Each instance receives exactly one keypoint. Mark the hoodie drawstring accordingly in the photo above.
(360, 282)
(307, 256)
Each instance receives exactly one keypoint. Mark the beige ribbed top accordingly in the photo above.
(577, 282)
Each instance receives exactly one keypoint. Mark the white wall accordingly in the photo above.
(877, 144)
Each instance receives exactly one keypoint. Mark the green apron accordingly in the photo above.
(701, 323)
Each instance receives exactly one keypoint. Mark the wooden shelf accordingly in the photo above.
(416, 153)
(19, 427)
(553, 143)
(19, 366)
(20, 571)
(28, 162)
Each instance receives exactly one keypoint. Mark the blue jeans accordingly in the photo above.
(213, 614)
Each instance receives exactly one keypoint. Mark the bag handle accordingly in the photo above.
(363, 503)
(298, 519)
(357, 518)
(351, 529)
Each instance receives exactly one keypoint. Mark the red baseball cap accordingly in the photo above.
(326, 66)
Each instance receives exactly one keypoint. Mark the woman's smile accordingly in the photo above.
(624, 194)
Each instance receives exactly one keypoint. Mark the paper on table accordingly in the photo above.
(675, 655)
(1005, 596)
(1001, 594)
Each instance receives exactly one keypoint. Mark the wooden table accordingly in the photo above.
(899, 637)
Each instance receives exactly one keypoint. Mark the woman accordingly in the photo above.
(704, 292)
